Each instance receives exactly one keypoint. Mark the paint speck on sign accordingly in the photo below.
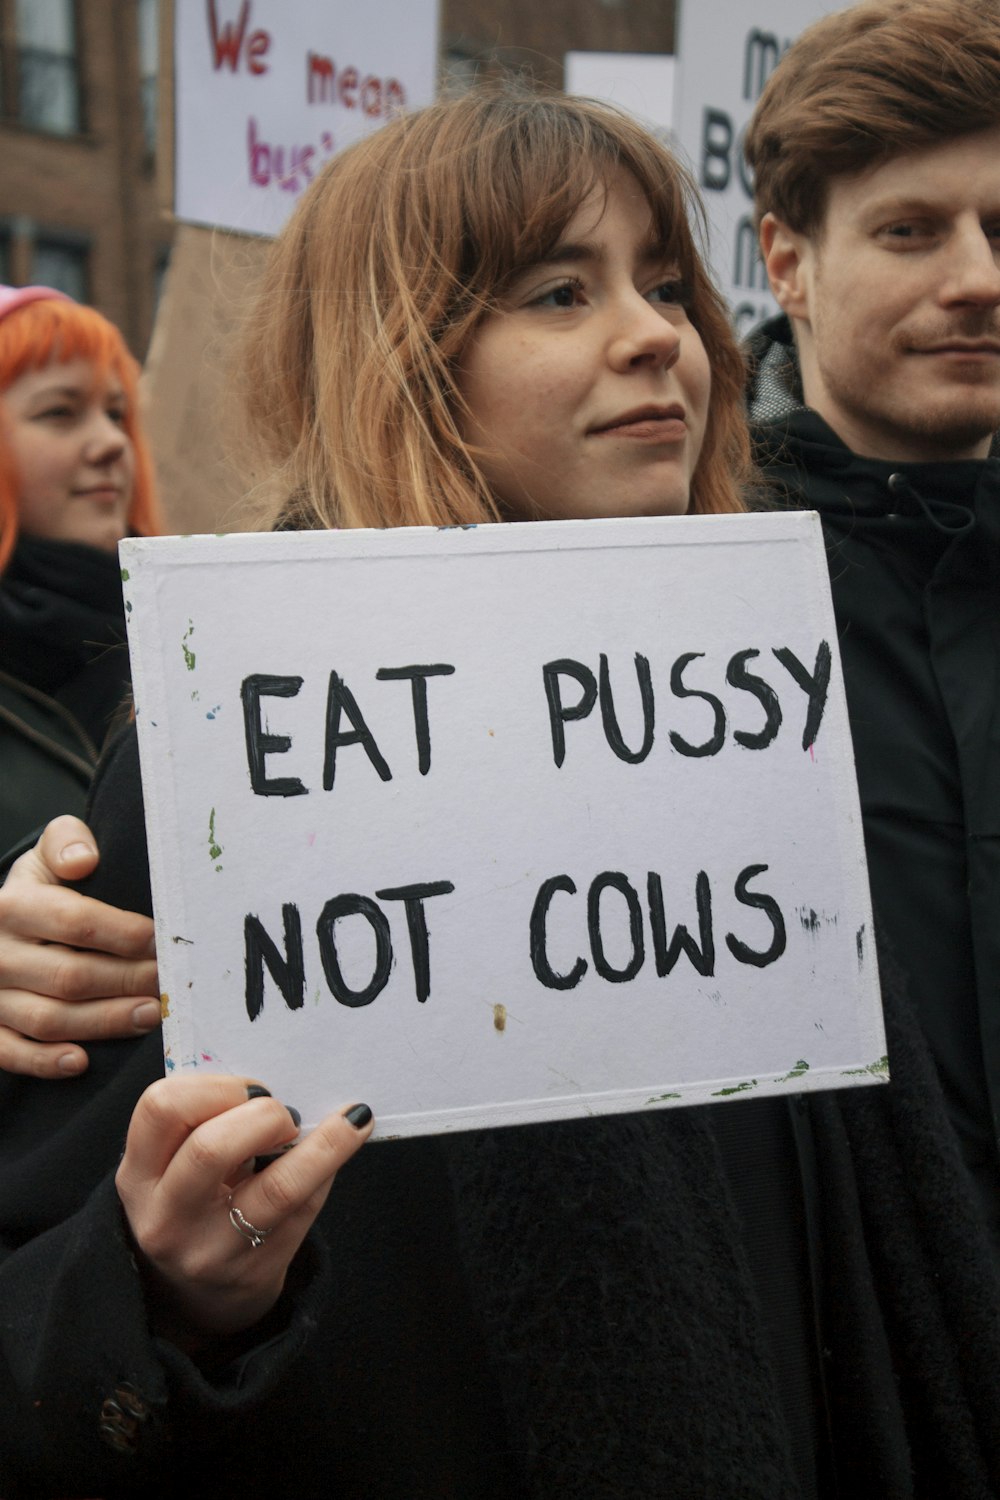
(214, 847)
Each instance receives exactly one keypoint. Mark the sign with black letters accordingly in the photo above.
(504, 823)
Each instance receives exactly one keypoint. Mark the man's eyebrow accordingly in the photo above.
(896, 204)
(900, 206)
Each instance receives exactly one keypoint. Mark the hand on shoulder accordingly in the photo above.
(72, 969)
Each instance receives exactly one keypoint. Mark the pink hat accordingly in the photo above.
(13, 297)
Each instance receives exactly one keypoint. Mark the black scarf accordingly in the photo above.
(62, 628)
(607, 1261)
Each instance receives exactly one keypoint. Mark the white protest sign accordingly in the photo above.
(267, 90)
(504, 823)
(641, 82)
(726, 53)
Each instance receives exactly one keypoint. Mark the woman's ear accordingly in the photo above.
(785, 254)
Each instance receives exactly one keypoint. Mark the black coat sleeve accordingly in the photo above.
(91, 1401)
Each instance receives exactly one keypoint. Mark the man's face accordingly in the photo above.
(896, 303)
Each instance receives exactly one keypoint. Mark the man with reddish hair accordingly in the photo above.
(876, 153)
(875, 397)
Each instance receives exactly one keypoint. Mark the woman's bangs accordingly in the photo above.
(47, 331)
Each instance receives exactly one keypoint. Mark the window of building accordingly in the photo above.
(48, 89)
(148, 23)
(61, 263)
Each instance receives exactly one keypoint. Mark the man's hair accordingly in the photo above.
(864, 85)
(394, 255)
(52, 331)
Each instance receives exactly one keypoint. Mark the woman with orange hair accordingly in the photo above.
(75, 476)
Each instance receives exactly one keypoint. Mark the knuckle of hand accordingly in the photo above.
(156, 1109)
(205, 1156)
(64, 976)
(40, 1019)
(280, 1193)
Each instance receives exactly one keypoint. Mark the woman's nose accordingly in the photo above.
(106, 438)
(643, 336)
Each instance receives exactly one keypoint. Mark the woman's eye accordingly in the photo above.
(61, 412)
(674, 293)
(566, 294)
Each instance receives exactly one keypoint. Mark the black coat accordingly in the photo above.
(914, 556)
(63, 675)
(591, 1309)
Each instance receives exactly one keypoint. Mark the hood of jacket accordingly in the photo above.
(806, 464)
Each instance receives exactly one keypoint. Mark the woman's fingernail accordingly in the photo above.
(71, 1062)
(73, 852)
(358, 1116)
(296, 1117)
(257, 1091)
(146, 1016)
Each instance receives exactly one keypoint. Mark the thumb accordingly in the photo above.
(66, 850)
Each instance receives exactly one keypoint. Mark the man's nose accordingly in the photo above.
(973, 271)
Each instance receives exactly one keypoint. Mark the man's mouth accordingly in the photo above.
(962, 347)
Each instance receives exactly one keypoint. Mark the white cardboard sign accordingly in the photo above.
(726, 53)
(267, 90)
(504, 823)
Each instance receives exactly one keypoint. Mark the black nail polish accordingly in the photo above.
(358, 1116)
(257, 1091)
(296, 1117)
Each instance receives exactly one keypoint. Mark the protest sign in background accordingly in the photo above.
(725, 55)
(266, 92)
(504, 823)
(641, 82)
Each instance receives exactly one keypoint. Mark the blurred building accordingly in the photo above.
(79, 207)
(80, 204)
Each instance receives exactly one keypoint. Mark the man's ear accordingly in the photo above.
(785, 255)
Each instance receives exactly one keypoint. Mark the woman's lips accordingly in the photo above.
(101, 494)
(649, 425)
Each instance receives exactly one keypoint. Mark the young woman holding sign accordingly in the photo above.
(493, 309)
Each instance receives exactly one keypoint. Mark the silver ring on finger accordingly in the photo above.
(243, 1226)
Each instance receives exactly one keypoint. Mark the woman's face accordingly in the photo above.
(588, 389)
(73, 459)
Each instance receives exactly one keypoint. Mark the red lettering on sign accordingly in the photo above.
(227, 41)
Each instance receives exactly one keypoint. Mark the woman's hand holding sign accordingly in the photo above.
(216, 1238)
